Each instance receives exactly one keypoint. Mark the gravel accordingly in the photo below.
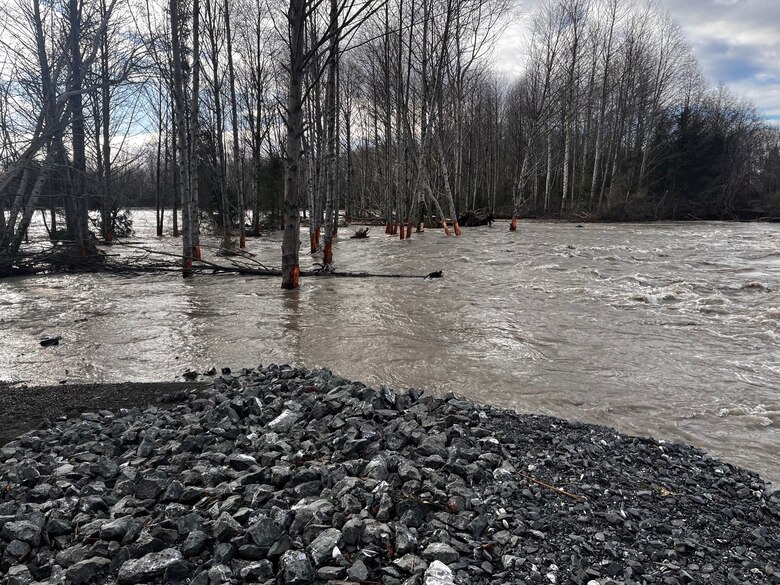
(280, 475)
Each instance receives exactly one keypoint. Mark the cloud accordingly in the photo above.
(737, 42)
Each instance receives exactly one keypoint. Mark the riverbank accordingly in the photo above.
(26, 408)
(282, 475)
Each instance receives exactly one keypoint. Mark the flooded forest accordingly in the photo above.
(245, 117)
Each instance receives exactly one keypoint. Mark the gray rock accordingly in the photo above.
(296, 568)
(439, 551)
(86, 571)
(224, 552)
(149, 488)
(92, 505)
(438, 574)
(219, 575)
(116, 529)
(321, 548)
(264, 532)
(226, 527)
(18, 549)
(19, 575)
(410, 564)
(330, 573)
(405, 540)
(58, 527)
(284, 422)
(148, 567)
(241, 462)
(352, 531)
(358, 571)
(72, 555)
(22, 530)
(195, 543)
(257, 571)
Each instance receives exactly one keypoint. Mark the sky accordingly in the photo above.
(737, 42)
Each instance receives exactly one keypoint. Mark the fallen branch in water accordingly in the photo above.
(147, 260)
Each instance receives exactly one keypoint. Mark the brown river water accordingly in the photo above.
(669, 329)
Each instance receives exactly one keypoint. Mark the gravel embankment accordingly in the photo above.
(289, 476)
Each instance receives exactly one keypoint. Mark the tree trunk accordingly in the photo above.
(238, 183)
(194, 145)
(290, 239)
(181, 131)
(78, 133)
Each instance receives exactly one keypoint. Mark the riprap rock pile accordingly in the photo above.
(290, 476)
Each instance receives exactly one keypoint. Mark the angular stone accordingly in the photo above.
(284, 422)
(410, 564)
(264, 532)
(86, 571)
(241, 462)
(220, 574)
(195, 543)
(321, 548)
(438, 574)
(226, 527)
(257, 571)
(148, 488)
(71, 556)
(116, 529)
(405, 540)
(439, 551)
(92, 505)
(351, 531)
(18, 549)
(22, 530)
(148, 567)
(296, 568)
(19, 575)
(358, 571)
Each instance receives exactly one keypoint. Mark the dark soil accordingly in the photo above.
(23, 409)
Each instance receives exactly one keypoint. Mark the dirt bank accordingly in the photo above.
(23, 409)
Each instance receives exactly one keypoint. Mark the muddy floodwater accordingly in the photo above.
(670, 330)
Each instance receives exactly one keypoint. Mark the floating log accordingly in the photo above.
(360, 234)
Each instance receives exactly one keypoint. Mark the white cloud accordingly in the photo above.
(737, 42)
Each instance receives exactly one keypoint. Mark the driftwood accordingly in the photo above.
(65, 258)
(360, 234)
(147, 260)
(475, 217)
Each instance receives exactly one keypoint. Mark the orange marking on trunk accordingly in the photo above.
(446, 229)
(313, 242)
(457, 228)
(409, 228)
(109, 237)
(296, 273)
(242, 241)
(402, 232)
(196, 252)
(388, 229)
(327, 257)
(513, 224)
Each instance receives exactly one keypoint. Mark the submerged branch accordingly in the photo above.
(65, 258)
